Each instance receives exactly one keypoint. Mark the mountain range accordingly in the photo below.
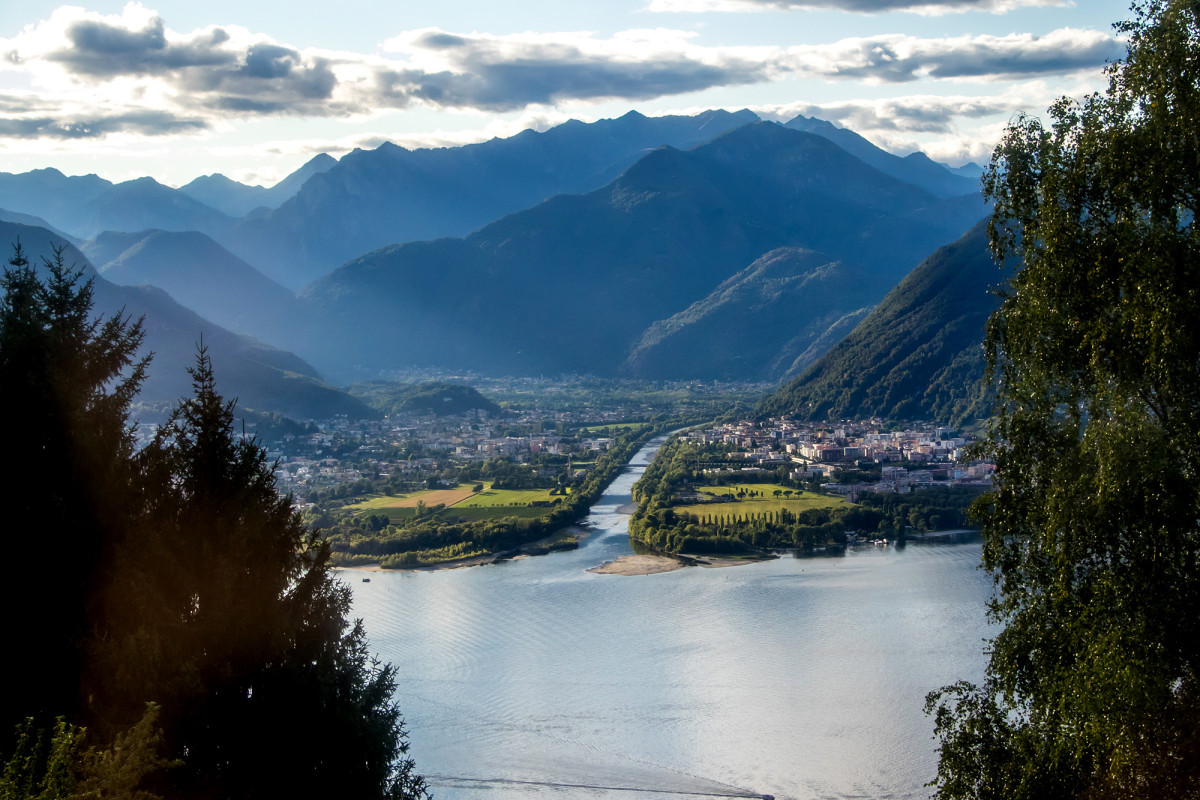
(573, 284)
(715, 246)
(85, 206)
(391, 195)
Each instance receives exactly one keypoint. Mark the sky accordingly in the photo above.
(176, 89)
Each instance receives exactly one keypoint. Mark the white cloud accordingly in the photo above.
(924, 7)
(96, 75)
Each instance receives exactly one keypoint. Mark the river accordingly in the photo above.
(801, 678)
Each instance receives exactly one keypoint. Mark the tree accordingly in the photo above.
(223, 608)
(1091, 532)
(181, 579)
(53, 764)
(66, 381)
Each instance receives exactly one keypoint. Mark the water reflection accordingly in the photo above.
(799, 677)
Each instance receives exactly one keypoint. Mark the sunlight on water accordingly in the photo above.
(800, 678)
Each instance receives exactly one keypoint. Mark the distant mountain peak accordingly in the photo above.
(320, 160)
(915, 168)
(237, 199)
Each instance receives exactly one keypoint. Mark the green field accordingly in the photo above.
(505, 497)
(461, 502)
(605, 430)
(799, 501)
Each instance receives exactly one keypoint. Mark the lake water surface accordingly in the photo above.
(802, 678)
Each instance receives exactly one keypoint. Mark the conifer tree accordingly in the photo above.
(66, 381)
(181, 579)
(224, 610)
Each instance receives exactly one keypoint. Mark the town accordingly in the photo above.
(411, 449)
(847, 458)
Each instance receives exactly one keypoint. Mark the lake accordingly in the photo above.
(801, 678)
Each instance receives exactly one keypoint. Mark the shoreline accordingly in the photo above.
(577, 532)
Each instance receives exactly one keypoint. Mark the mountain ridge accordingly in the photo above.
(201, 275)
(264, 378)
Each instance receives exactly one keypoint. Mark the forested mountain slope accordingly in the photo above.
(760, 324)
(918, 355)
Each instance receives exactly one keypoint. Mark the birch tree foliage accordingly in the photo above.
(1091, 532)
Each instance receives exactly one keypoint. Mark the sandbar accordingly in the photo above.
(638, 565)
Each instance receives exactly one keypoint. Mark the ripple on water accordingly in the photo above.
(804, 678)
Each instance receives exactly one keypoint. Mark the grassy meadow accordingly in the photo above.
(766, 502)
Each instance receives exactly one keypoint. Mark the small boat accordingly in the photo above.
(366, 580)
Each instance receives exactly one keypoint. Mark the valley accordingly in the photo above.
(642, 399)
(429, 340)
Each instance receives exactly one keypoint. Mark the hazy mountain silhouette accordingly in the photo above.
(262, 377)
(86, 205)
(915, 168)
(237, 199)
(37, 222)
(572, 284)
(201, 275)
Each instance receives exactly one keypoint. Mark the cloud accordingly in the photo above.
(133, 58)
(25, 104)
(503, 73)
(899, 58)
(166, 82)
(914, 114)
(102, 49)
(925, 7)
(144, 123)
(950, 128)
